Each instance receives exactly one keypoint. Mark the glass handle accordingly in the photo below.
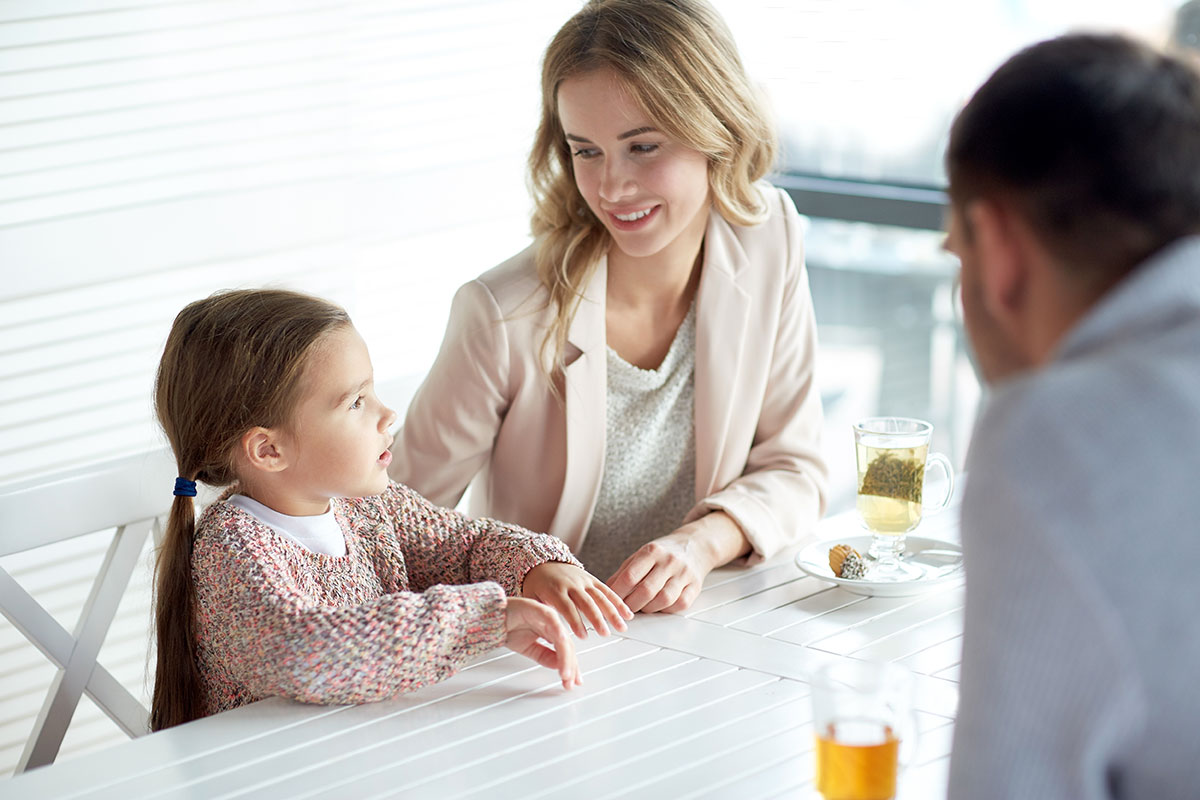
(939, 460)
(910, 742)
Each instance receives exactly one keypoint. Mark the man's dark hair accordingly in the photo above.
(1096, 140)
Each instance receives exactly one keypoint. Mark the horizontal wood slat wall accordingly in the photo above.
(151, 153)
(154, 152)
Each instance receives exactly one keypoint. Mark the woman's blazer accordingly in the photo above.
(486, 413)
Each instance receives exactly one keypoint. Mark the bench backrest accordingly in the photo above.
(130, 495)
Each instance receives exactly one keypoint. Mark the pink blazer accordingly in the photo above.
(485, 414)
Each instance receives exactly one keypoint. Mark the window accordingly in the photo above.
(864, 93)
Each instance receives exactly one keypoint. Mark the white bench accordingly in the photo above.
(129, 495)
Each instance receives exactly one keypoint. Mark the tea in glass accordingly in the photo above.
(890, 483)
(892, 454)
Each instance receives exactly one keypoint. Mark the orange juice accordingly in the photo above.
(856, 760)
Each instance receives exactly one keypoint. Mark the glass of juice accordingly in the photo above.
(863, 718)
(892, 454)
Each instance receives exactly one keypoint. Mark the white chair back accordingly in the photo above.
(131, 495)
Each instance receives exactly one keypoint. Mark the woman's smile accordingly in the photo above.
(633, 220)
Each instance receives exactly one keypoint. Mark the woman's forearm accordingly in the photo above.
(716, 538)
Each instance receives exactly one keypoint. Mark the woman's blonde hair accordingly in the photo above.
(232, 361)
(678, 61)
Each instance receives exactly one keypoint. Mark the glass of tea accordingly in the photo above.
(863, 719)
(893, 458)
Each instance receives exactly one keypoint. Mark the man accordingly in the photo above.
(1075, 191)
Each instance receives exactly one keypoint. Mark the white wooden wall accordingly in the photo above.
(153, 151)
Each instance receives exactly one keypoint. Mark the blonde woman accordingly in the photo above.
(638, 382)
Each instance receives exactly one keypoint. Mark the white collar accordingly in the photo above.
(320, 533)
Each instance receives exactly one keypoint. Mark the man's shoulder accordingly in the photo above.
(1078, 444)
(1033, 421)
(1037, 429)
(1104, 382)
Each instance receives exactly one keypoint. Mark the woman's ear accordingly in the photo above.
(1002, 259)
(262, 449)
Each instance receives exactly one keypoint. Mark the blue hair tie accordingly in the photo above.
(184, 488)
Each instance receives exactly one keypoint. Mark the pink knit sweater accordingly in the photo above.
(420, 591)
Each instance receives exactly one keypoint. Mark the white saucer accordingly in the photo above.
(939, 562)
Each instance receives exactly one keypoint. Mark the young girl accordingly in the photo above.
(654, 348)
(284, 586)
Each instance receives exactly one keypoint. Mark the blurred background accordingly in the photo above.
(372, 151)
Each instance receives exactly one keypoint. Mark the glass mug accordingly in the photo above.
(863, 719)
(893, 459)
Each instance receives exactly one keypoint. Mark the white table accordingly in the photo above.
(710, 704)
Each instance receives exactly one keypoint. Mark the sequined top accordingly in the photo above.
(649, 479)
(420, 590)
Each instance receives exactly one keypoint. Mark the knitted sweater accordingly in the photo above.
(420, 591)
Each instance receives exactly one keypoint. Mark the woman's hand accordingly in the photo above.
(667, 573)
(576, 594)
(526, 621)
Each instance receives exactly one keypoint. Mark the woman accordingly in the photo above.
(638, 382)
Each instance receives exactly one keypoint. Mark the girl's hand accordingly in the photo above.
(573, 592)
(667, 574)
(526, 621)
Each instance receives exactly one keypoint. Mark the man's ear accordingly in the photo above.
(1002, 257)
(261, 449)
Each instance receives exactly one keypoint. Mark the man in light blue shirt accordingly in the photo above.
(1075, 193)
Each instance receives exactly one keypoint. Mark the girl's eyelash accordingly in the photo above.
(358, 401)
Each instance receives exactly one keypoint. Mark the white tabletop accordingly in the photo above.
(712, 703)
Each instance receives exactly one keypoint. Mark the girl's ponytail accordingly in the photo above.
(178, 691)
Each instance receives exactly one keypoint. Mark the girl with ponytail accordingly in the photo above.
(313, 576)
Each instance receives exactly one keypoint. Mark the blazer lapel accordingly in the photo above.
(584, 391)
(722, 313)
